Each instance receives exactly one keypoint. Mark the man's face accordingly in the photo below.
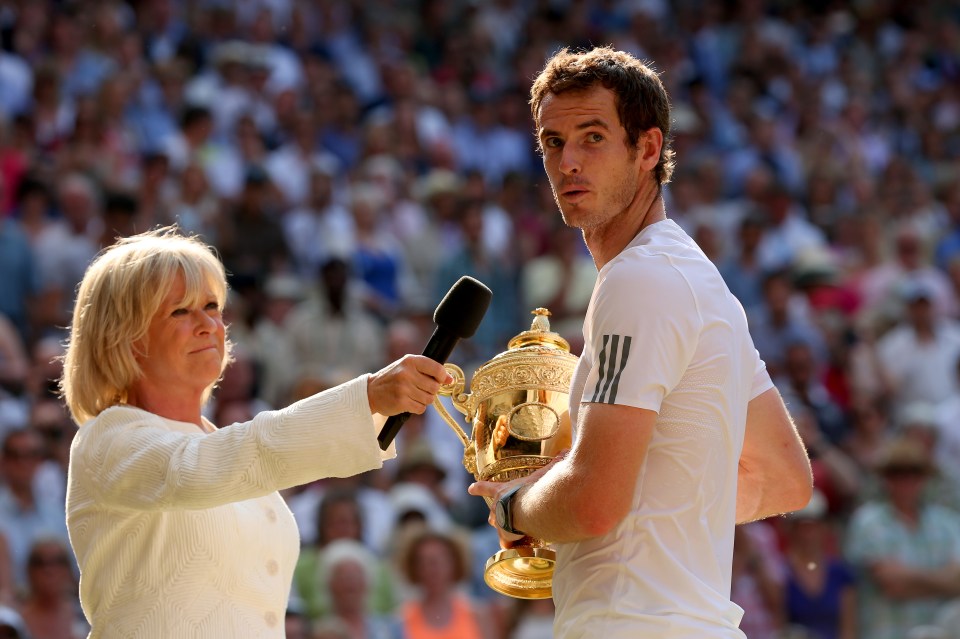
(593, 174)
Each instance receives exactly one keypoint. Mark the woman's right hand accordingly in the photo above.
(407, 385)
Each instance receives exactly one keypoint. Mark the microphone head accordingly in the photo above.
(461, 310)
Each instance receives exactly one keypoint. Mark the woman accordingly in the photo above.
(820, 592)
(50, 608)
(177, 525)
(351, 570)
(435, 564)
(339, 518)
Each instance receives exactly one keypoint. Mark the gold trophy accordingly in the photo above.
(520, 420)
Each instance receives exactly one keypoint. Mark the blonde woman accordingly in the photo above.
(177, 524)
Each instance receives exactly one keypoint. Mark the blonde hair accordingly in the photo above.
(121, 291)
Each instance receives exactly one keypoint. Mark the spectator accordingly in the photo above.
(919, 355)
(290, 165)
(947, 420)
(820, 590)
(562, 281)
(501, 321)
(66, 248)
(802, 385)
(8, 593)
(331, 331)
(194, 207)
(741, 270)
(351, 571)
(321, 228)
(881, 286)
(251, 240)
(25, 515)
(50, 420)
(906, 552)
(434, 564)
(340, 519)
(271, 344)
(377, 258)
(14, 365)
(757, 581)
(782, 319)
(50, 608)
(787, 232)
(21, 284)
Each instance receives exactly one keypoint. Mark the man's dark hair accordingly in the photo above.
(641, 99)
(121, 203)
(193, 114)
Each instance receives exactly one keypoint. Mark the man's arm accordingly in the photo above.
(901, 582)
(775, 475)
(591, 490)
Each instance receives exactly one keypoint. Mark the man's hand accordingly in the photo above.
(493, 490)
(408, 385)
(893, 578)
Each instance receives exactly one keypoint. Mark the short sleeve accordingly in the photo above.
(643, 330)
(761, 378)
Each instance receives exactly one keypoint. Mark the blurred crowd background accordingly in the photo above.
(351, 159)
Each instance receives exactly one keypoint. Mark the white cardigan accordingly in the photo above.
(183, 534)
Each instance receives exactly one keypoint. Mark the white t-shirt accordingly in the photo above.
(664, 333)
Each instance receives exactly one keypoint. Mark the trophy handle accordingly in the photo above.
(454, 390)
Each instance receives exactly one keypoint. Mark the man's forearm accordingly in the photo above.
(940, 582)
(550, 508)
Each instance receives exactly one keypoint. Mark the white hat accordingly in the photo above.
(816, 508)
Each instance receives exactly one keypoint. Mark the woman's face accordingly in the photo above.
(48, 569)
(348, 587)
(435, 567)
(342, 522)
(184, 347)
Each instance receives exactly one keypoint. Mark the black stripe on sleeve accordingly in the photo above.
(612, 360)
(603, 361)
(624, 354)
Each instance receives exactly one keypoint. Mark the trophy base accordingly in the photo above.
(522, 573)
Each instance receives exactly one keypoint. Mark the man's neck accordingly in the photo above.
(607, 241)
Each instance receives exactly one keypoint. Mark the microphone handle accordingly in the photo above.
(438, 348)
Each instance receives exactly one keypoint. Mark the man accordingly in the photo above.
(680, 433)
(905, 549)
(25, 514)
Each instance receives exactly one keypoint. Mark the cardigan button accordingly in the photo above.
(271, 514)
(272, 567)
(271, 619)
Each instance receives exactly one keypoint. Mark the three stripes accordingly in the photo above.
(612, 359)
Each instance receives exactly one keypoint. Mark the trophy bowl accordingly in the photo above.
(518, 410)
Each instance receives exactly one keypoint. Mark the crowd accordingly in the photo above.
(350, 160)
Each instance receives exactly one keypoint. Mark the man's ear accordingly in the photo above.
(648, 148)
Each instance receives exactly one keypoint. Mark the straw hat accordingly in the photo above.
(904, 454)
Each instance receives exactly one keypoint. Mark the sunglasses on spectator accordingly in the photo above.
(50, 433)
(905, 471)
(40, 561)
(14, 454)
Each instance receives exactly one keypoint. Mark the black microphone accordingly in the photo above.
(457, 317)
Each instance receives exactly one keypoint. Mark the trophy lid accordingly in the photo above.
(537, 358)
(539, 334)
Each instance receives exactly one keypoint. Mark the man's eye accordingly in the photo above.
(552, 143)
(595, 137)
